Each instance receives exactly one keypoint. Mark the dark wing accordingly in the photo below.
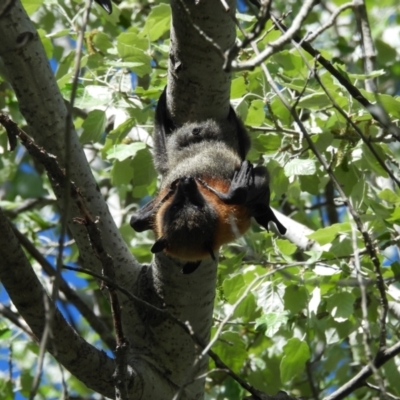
(258, 200)
(267, 217)
(242, 135)
(163, 127)
(106, 4)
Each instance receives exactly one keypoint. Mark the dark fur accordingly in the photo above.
(195, 154)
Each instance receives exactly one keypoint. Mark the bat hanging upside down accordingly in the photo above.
(209, 192)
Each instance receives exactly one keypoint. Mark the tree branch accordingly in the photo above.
(358, 380)
(93, 367)
(44, 109)
(94, 321)
(276, 45)
(367, 44)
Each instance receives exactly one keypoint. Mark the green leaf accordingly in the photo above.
(395, 215)
(122, 151)
(358, 194)
(296, 298)
(129, 48)
(89, 96)
(255, 115)
(47, 43)
(5, 333)
(390, 104)
(270, 298)
(310, 184)
(291, 63)
(122, 172)
(158, 22)
(326, 235)
(238, 88)
(143, 167)
(294, 361)
(118, 133)
(392, 374)
(369, 160)
(233, 287)
(340, 305)
(372, 75)
(268, 143)
(102, 42)
(93, 127)
(26, 381)
(389, 196)
(279, 181)
(230, 346)
(271, 323)
(386, 53)
(31, 5)
(285, 247)
(314, 101)
(300, 167)
(131, 39)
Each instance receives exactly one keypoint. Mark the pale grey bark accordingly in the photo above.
(201, 31)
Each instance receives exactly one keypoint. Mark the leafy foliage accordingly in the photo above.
(292, 318)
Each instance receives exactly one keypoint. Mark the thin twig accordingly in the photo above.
(348, 119)
(367, 44)
(364, 309)
(263, 17)
(184, 326)
(359, 379)
(367, 238)
(64, 216)
(376, 110)
(207, 349)
(276, 45)
(58, 176)
(46, 335)
(386, 394)
(330, 21)
(360, 226)
(6, 312)
(94, 321)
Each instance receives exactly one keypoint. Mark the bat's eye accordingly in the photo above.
(196, 131)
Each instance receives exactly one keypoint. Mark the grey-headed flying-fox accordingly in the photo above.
(208, 193)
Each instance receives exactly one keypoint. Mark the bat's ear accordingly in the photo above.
(140, 224)
(268, 217)
(159, 245)
(142, 220)
(242, 135)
